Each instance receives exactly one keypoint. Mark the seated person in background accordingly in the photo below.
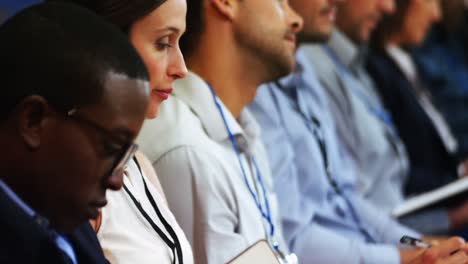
(204, 145)
(428, 139)
(325, 220)
(137, 225)
(442, 62)
(74, 90)
(364, 127)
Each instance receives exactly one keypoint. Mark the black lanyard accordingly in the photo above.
(320, 139)
(318, 135)
(174, 246)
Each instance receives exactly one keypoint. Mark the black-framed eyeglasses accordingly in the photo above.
(123, 157)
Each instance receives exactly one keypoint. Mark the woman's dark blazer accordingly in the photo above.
(431, 164)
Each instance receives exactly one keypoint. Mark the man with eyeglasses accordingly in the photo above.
(74, 98)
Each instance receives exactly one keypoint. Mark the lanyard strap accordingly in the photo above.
(320, 139)
(266, 214)
(174, 246)
(382, 114)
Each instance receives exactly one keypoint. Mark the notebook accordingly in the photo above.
(260, 252)
(447, 195)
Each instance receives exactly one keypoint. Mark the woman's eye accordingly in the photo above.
(163, 44)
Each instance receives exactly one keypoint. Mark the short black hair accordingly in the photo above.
(195, 26)
(63, 53)
(122, 13)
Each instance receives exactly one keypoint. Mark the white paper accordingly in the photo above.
(432, 197)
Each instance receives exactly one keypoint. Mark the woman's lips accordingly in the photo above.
(163, 93)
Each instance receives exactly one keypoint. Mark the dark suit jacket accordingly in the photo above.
(22, 241)
(431, 164)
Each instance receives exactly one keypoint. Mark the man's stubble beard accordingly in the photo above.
(269, 49)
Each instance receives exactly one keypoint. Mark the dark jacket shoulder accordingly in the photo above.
(22, 240)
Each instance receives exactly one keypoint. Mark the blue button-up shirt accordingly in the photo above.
(318, 222)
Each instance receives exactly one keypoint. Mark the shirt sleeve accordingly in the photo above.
(201, 200)
(432, 221)
(385, 228)
(317, 244)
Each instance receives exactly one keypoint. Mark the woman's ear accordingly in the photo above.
(32, 114)
(226, 8)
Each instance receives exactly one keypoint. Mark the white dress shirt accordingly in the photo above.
(191, 151)
(126, 236)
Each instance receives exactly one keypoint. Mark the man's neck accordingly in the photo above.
(235, 90)
(233, 78)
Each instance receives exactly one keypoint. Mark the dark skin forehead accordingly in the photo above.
(122, 107)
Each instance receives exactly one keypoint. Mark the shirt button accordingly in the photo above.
(340, 212)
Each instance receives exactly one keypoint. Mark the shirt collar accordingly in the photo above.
(348, 53)
(16, 199)
(196, 93)
(303, 80)
(404, 61)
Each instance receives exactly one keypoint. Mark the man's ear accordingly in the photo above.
(226, 8)
(32, 114)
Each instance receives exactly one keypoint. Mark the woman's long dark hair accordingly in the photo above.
(122, 13)
(389, 25)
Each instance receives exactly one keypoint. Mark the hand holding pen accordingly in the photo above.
(450, 251)
(414, 242)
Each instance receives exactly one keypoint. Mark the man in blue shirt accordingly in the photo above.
(325, 220)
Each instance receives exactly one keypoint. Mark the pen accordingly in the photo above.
(411, 241)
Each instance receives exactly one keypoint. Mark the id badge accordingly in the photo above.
(292, 259)
(287, 259)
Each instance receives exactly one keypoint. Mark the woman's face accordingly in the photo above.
(419, 17)
(156, 38)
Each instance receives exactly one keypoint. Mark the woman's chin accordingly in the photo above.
(153, 108)
(152, 114)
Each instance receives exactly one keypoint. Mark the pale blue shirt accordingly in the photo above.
(318, 222)
(60, 241)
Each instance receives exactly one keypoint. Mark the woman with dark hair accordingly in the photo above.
(137, 226)
(428, 139)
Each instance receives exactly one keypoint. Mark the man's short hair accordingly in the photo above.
(63, 53)
(195, 27)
